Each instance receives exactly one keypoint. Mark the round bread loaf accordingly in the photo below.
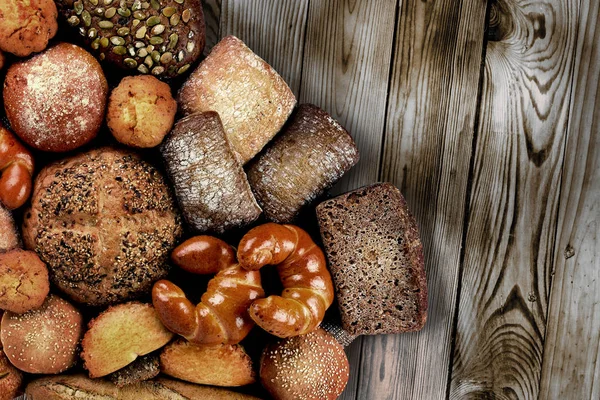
(162, 37)
(306, 367)
(26, 26)
(9, 236)
(55, 101)
(10, 379)
(24, 281)
(104, 222)
(141, 111)
(43, 341)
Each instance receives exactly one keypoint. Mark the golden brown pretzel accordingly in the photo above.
(222, 314)
(16, 167)
(308, 290)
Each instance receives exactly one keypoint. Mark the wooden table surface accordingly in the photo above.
(486, 114)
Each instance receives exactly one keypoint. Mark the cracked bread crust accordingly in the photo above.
(26, 26)
(24, 281)
(376, 260)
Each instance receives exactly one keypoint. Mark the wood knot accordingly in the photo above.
(501, 22)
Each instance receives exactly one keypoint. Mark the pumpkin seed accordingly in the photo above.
(171, 70)
(131, 51)
(137, 5)
(143, 69)
(155, 56)
(120, 50)
(186, 15)
(141, 32)
(174, 20)
(124, 12)
(130, 63)
(96, 44)
(148, 61)
(156, 40)
(155, 4)
(149, 48)
(106, 24)
(158, 29)
(92, 33)
(190, 46)
(142, 53)
(179, 1)
(110, 12)
(117, 40)
(157, 70)
(78, 7)
(139, 15)
(104, 42)
(102, 56)
(180, 55)
(145, 5)
(166, 58)
(124, 31)
(168, 11)
(86, 17)
(108, 2)
(135, 23)
(94, 2)
(183, 69)
(99, 11)
(173, 38)
(139, 44)
(73, 21)
(154, 20)
(82, 31)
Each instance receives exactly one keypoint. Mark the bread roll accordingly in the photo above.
(24, 282)
(376, 259)
(142, 369)
(26, 26)
(43, 341)
(312, 152)
(11, 379)
(68, 387)
(104, 222)
(211, 186)
(217, 365)
(9, 236)
(309, 367)
(252, 100)
(119, 335)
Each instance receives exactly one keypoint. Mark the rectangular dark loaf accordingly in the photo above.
(376, 260)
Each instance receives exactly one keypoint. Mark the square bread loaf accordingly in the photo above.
(252, 100)
(312, 152)
(376, 260)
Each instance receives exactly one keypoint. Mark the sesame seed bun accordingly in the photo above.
(43, 341)
(306, 367)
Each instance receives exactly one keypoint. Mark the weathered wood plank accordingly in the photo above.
(513, 210)
(212, 16)
(571, 365)
(346, 70)
(275, 30)
(428, 144)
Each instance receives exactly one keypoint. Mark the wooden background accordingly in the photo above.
(487, 115)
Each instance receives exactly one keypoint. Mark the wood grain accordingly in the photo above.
(275, 30)
(346, 70)
(571, 366)
(212, 17)
(428, 143)
(510, 241)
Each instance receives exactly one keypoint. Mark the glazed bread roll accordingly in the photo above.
(24, 282)
(43, 341)
(104, 222)
(308, 367)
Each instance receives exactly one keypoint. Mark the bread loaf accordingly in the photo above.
(376, 259)
(11, 379)
(142, 369)
(211, 186)
(26, 26)
(9, 236)
(312, 152)
(252, 100)
(24, 282)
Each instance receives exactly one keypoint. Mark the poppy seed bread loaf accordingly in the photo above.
(376, 260)
(210, 185)
(312, 152)
(104, 222)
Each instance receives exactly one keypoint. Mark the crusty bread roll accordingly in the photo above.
(308, 367)
(24, 282)
(43, 341)
(142, 369)
(252, 100)
(104, 222)
(217, 365)
(9, 236)
(27, 26)
(119, 335)
(69, 387)
(11, 378)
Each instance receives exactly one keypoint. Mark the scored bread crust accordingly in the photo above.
(252, 100)
(376, 260)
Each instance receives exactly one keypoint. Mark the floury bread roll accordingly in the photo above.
(252, 99)
(307, 158)
(210, 185)
(376, 260)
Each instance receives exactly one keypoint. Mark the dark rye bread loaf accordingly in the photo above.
(307, 158)
(210, 185)
(376, 260)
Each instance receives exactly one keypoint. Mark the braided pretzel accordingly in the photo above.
(222, 314)
(308, 290)
(16, 169)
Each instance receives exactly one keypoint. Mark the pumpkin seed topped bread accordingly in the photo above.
(252, 100)
(376, 260)
(161, 37)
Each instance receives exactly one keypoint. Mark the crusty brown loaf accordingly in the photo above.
(11, 378)
(217, 365)
(141, 111)
(104, 222)
(119, 335)
(252, 100)
(309, 156)
(69, 387)
(9, 236)
(26, 26)
(24, 282)
(43, 341)
(211, 187)
(142, 369)
(305, 367)
(55, 101)
(376, 259)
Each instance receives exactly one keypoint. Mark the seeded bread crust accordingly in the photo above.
(312, 152)
(376, 259)
(142, 369)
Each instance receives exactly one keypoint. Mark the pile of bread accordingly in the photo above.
(102, 248)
